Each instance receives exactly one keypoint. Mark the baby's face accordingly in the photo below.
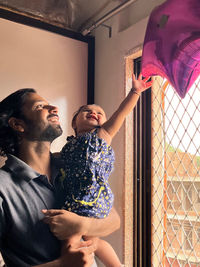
(89, 117)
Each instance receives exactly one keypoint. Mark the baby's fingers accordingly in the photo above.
(133, 77)
(146, 79)
(148, 84)
(140, 76)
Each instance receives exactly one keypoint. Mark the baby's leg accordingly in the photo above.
(72, 241)
(105, 252)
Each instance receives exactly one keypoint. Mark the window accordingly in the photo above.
(188, 243)
(166, 176)
(175, 212)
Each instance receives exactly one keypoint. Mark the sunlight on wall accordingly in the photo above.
(61, 103)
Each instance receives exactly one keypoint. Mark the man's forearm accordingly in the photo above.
(102, 227)
(64, 224)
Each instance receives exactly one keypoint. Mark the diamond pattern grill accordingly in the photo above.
(175, 176)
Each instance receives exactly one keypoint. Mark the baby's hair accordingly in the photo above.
(75, 116)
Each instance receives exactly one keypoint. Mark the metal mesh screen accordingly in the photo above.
(175, 176)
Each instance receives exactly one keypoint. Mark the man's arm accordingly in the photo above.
(64, 224)
(79, 255)
(103, 227)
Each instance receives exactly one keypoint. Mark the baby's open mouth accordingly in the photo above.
(93, 117)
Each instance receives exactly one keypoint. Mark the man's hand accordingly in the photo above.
(79, 255)
(64, 224)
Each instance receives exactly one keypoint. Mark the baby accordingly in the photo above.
(88, 162)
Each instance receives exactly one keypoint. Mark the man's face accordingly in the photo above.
(41, 119)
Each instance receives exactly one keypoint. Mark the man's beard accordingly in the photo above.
(50, 133)
(38, 132)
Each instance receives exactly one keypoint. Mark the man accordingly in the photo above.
(30, 181)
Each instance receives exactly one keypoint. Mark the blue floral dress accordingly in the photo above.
(88, 162)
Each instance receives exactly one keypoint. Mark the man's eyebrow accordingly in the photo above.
(41, 101)
(36, 102)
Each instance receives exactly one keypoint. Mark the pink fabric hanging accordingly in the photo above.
(172, 44)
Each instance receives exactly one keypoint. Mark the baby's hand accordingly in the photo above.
(140, 85)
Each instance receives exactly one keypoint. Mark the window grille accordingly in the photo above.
(175, 214)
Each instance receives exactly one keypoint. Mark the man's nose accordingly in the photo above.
(53, 109)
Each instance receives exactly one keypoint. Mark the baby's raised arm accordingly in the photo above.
(112, 126)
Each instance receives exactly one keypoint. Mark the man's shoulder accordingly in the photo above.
(5, 175)
(4, 171)
(6, 181)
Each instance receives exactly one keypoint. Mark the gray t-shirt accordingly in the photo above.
(24, 239)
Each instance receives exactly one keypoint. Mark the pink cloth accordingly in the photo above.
(172, 44)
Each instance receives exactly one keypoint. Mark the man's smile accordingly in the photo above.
(53, 118)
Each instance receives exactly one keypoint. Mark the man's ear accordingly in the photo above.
(16, 124)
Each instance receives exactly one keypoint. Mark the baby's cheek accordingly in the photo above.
(101, 120)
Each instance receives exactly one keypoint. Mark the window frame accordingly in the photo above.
(142, 175)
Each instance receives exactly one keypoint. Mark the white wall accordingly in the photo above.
(54, 65)
(110, 86)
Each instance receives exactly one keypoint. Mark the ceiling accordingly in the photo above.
(75, 15)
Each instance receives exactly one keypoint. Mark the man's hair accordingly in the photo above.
(11, 106)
